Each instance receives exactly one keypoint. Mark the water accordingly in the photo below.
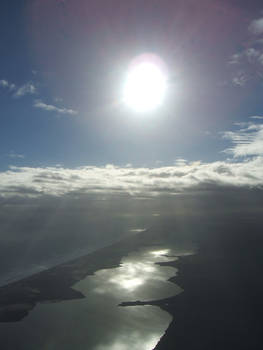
(97, 322)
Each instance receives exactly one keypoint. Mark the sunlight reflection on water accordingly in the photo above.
(133, 341)
(138, 277)
(96, 322)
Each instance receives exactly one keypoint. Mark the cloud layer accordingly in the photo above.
(32, 182)
(247, 144)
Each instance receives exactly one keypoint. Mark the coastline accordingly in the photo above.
(166, 304)
(18, 298)
(221, 303)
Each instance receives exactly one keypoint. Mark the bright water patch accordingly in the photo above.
(97, 322)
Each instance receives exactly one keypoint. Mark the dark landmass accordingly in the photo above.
(17, 299)
(222, 305)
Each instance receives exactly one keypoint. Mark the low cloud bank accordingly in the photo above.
(32, 182)
(245, 169)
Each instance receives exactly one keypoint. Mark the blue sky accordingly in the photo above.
(63, 63)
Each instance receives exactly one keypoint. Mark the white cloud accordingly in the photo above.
(13, 154)
(52, 108)
(240, 79)
(235, 58)
(249, 59)
(26, 89)
(33, 182)
(58, 99)
(252, 54)
(256, 26)
(249, 64)
(247, 140)
(6, 84)
(30, 89)
(256, 117)
(180, 161)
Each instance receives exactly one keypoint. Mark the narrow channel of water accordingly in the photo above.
(97, 322)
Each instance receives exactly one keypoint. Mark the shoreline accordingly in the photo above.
(56, 284)
(165, 304)
(221, 303)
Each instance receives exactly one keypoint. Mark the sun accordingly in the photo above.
(145, 86)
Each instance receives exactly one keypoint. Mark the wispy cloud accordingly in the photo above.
(250, 55)
(256, 26)
(58, 99)
(51, 108)
(7, 85)
(240, 79)
(19, 91)
(256, 117)
(249, 60)
(13, 154)
(235, 58)
(26, 89)
(247, 140)
(30, 89)
(248, 65)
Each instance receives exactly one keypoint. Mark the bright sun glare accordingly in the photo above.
(145, 87)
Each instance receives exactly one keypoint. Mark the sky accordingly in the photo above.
(81, 170)
(63, 65)
(65, 134)
(64, 127)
